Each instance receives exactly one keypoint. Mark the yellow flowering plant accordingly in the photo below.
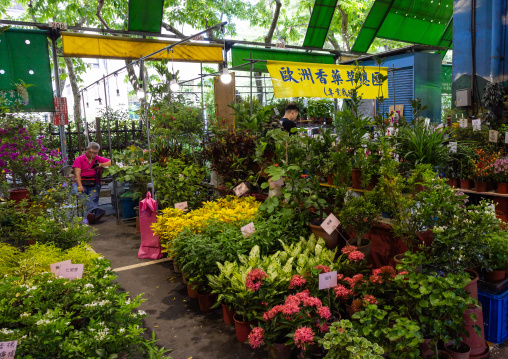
(227, 210)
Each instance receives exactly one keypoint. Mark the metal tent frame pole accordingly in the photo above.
(147, 122)
(61, 128)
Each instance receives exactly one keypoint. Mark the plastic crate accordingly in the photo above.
(495, 316)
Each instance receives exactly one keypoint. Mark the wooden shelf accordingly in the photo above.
(490, 193)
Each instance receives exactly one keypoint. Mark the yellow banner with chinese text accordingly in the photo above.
(299, 79)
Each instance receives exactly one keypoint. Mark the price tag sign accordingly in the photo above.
(181, 205)
(248, 229)
(453, 147)
(427, 122)
(241, 189)
(477, 125)
(55, 267)
(330, 224)
(274, 184)
(306, 102)
(327, 280)
(463, 123)
(276, 111)
(71, 271)
(493, 134)
(57, 25)
(8, 349)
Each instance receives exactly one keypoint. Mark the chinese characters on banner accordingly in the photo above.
(298, 79)
(60, 116)
(8, 349)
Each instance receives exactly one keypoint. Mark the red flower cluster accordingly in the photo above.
(255, 279)
(348, 249)
(324, 269)
(296, 281)
(356, 256)
(255, 338)
(370, 299)
(303, 335)
(382, 273)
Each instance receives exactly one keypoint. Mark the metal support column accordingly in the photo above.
(145, 113)
(85, 126)
(251, 68)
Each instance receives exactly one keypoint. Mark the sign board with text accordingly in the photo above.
(182, 205)
(327, 280)
(71, 271)
(330, 224)
(55, 267)
(58, 25)
(8, 349)
(241, 189)
(61, 116)
(248, 229)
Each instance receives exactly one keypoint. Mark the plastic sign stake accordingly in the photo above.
(453, 147)
(327, 280)
(8, 349)
(477, 125)
(330, 224)
(240, 190)
(493, 135)
(182, 205)
(71, 271)
(248, 229)
(55, 267)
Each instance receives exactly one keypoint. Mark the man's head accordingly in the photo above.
(92, 150)
(292, 111)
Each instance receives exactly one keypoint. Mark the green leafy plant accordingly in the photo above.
(358, 216)
(497, 250)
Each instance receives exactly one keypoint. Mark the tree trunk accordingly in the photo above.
(269, 36)
(332, 40)
(343, 28)
(74, 87)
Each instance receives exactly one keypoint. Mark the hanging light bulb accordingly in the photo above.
(174, 86)
(117, 90)
(226, 76)
(87, 105)
(117, 93)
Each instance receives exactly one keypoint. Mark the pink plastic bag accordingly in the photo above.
(150, 244)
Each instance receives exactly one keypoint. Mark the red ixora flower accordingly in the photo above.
(342, 292)
(370, 299)
(303, 335)
(355, 256)
(324, 269)
(255, 279)
(255, 338)
(296, 281)
(348, 249)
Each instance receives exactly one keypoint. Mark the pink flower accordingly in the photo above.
(303, 335)
(340, 277)
(255, 338)
(370, 299)
(376, 279)
(312, 302)
(267, 316)
(324, 312)
(348, 249)
(342, 292)
(385, 270)
(357, 278)
(324, 269)
(322, 328)
(289, 309)
(403, 272)
(355, 256)
(255, 279)
(296, 281)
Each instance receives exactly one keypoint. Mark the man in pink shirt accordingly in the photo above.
(88, 179)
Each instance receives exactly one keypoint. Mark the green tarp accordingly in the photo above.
(238, 53)
(24, 56)
(319, 23)
(145, 15)
(414, 21)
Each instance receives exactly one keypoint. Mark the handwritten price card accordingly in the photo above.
(453, 147)
(240, 190)
(477, 125)
(330, 224)
(493, 134)
(463, 123)
(248, 229)
(327, 280)
(8, 349)
(55, 267)
(182, 205)
(71, 271)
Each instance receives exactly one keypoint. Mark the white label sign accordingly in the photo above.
(57, 25)
(306, 102)
(279, 183)
(427, 122)
(71, 271)
(248, 229)
(463, 123)
(330, 224)
(506, 137)
(55, 267)
(8, 349)
(327, 280)
(181, 205)
(240, 190)
(453, 147)
(276, 111)
(493, 134)
(477, 125)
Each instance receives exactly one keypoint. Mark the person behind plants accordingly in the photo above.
(88, 179)
(290, 116)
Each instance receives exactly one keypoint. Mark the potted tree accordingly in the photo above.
(497, 253)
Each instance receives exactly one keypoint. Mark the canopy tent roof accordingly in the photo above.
(319, 23)
(145, 15)
(425, 22)
(400, 50)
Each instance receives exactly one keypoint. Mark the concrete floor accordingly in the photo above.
(172, 315)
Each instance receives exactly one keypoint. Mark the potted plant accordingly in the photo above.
(500, 174)
(497, 253)
(482, 169)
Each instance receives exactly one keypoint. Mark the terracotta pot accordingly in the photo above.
(192, 290)
(206, 301)
(373, 182)
(465, 184)
(480, 186)
(398, 258)
(472, 286)
(329, 179)
(19, 194)
(330, 239)
(356, 177)
(425, 348)
(228, 314)
(475, 342)
(452, 182)
(242, 329)
(485, 354)
(462, 352)
(279, 351)
(441, 354)
(321, 120)
(495, 276)
(364, 248)
(502, 188)
(329, 121)
(312, 119)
